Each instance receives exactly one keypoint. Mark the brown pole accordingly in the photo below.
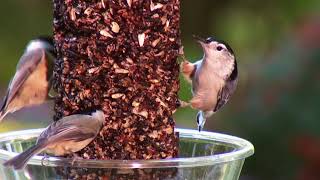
(120, 56)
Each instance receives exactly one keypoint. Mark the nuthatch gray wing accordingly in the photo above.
(31, 82)
(66, 136)
(214, 78)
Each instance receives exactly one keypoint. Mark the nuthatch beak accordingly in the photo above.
(200, 40)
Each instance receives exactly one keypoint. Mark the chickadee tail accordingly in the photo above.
(3, 111)
(3, 114)
(19, 162)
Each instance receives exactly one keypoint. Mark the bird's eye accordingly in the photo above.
(219, 48)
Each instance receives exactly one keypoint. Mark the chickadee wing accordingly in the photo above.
(69, 130)
(27, 64)
(72, 133)
(225, 93)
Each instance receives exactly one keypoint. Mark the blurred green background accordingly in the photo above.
(276, 105)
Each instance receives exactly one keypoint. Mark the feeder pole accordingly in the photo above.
(120, 56)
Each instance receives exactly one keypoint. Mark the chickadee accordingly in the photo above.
(31, 82)
(66, 136)
(214, 78)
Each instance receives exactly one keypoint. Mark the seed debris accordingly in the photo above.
(141, 38)
(115, 27)
(129, 2)
(104, 32)
(117, 95)
(155, 6)
(72, 14)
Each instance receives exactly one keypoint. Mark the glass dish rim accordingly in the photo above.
(243, 150)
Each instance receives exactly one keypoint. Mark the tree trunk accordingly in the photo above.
(120, 56)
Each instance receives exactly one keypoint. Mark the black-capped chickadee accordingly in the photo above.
(214, 78)
(66, 136)
(32, 80)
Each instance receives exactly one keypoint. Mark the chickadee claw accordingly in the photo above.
(52, 94)
(51, 97)
(43, 160)
(75, 158)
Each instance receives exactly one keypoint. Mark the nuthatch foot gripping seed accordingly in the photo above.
(32, 80)
(214, 78)
(66, 136)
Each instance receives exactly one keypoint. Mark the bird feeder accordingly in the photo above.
(121, 57)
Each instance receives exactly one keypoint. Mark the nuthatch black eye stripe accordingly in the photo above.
(227, 46)
(209, 40)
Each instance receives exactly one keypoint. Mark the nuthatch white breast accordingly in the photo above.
(32, 80)
(214, 78)
(68, 135)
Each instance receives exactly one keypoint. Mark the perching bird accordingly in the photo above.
(214, 78)
(32, 80)
(68, 135)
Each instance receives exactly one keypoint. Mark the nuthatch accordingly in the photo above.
(68, 135)
(32, 80)
(214, 78)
